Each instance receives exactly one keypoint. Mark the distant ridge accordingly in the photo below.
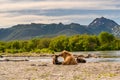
(102, 24)
(29, 31)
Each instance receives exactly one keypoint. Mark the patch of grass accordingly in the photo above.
(107, 75)
(32, 69)
(46, 74)
(77, 78)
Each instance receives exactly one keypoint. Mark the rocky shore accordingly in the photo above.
(30, 70)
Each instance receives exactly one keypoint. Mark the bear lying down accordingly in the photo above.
(69, 59)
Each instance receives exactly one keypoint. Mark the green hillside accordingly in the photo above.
(33, 30)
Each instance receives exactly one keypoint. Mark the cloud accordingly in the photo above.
(64, 4)
(54, 11)
(27, 19)
(59, 12)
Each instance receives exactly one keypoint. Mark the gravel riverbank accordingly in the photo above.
(27, 70)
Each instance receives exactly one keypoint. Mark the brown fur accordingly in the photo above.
(55, 60)
(69, 59)
(80, 60)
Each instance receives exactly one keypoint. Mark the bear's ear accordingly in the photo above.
(64, 51)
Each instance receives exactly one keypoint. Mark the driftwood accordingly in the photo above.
(14, 60)
(86, 56)
(91, 55)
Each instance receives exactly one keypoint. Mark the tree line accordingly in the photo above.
(84, 42)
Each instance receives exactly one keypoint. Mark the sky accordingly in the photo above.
(13, 12)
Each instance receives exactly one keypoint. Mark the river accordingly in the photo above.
(106, 56)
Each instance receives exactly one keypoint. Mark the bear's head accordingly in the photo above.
(65, 54)
(55, 57)
(55, 60)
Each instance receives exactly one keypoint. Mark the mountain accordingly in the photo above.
(116, 31)
(102, 24)
(28, 31)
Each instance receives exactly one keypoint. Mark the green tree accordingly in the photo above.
(43, 43)
(105, 37)
(59, 43)
(75, 43)
(90, 43)
(106, 40)
(2, 46)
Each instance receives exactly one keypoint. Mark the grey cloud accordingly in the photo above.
(56, 13)
(25, 0)
(60, 12)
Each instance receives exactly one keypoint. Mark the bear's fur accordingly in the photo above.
(80, 60)
(55, 60)
(69, 59)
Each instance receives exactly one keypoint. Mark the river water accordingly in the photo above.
(105, 56)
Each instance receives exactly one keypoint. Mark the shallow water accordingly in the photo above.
(106, 56)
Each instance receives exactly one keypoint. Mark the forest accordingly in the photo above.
(84, 42)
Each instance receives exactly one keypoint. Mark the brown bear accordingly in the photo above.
(81, 60)
(69, 59)
(55, 60)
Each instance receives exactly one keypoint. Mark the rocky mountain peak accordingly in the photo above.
(102, 22)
